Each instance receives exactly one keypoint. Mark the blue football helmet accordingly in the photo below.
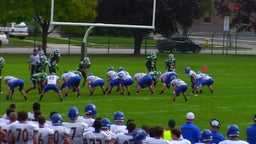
(105, 122)
(90, 109)
(233, 130)
(173, 76)
(111, 68)
(56, 119)
(206, 135)
(73, 113)
(119, 116)
(187, 70)
(139, 134)
(120, 69)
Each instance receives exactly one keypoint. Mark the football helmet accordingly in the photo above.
(43, 59)
(2, 61)
(171, 56)
(56, 51)
(233, 130)
(187, 70)
(119, 116)
(206, 135)
(120, 69)
(111, 68)
(56, 119)
(86, 59)
(73, 113)
(139, 134)
(105, 122)
(153, 55)
(90, 109)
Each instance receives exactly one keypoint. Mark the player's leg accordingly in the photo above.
(21, 85)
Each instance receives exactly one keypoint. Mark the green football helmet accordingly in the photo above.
(2, 62)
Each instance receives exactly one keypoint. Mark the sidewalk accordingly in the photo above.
(65, 49)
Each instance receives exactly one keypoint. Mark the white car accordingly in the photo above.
(3, 40)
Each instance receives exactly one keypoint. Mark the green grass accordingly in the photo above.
(233, 101)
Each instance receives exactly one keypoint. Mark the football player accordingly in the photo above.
(76, 128)
(118, 126)
(96, 136)
(51, 81)
(28, 130)
(106, 123)
(155, 75)
(13, 82)
(94, 81)
(45, 133)
(179, 86)
(170, 63)
(151, 62)
(144, 80)
(139, 136)
(122, 138)
(61, 133)
(53, 61)
(233, 132)
(113, 79)
(71, 79)
(125, 80)
(195, 80)
(38, 78)
(205, 80)
(41, 64)
(90, 113)
(2, 62)
(83, 67)
(166, 80)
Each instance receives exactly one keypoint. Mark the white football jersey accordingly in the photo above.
(158, 141)
(116, 129)
(60, 132)
(139, 76)
(181, 141)
(93, 78)
(23, 133)
(124, 75)
(123, 138)
(93, 137)
(112, 75)
(52, 79)
(88, 121)
(193, 74)
(45, 133)
(76, 131)
(233, 142)
(178, 82)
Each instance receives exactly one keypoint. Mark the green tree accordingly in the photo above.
(242, 13)
(39, 11)
(169, 13)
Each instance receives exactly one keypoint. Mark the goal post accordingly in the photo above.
(92, 25)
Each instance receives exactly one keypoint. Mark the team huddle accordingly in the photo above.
(121, 79)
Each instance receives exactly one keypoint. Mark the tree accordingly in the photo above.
(39, 11)
(242, 12)
(168, 14)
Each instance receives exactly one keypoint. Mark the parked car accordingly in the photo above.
(177, 43)
(19, 30)
(3, 39)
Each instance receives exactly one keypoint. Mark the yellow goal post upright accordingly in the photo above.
(92, 25)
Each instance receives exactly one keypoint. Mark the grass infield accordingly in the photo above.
(233, 100)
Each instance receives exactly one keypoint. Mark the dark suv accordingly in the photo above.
(177, 43)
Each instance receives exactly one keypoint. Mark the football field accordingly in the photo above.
(233, 100)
